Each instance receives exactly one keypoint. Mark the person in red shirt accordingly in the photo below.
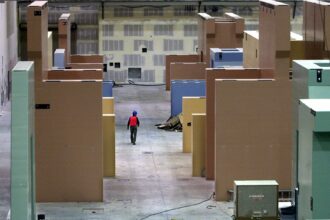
(133, 123)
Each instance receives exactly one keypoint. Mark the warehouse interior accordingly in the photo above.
(230, 102)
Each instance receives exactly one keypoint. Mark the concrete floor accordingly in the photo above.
(4, 162)
(152, 176)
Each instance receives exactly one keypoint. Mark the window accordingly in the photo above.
(133, 30)
(190, 30)
(163, 30)
(107, 30)
(173, 45)
(123, 12)
(153, 12)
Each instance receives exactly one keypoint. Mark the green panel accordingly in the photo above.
(299, 90)
(305, 85)
(322, 122)
(305, 140)
(22, 142)
(319, 92)
(324, 80)
(321, 175)
(313, 64)
(314, 159)
(307, 70)
(322, 64)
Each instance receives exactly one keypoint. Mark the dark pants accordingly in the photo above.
(133, 134)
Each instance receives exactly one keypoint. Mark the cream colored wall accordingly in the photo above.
(148, 34)
(50, 49)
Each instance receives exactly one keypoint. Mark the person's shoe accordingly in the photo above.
(133, 143)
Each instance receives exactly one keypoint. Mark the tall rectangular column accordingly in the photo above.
(22, 143)
(314, 163)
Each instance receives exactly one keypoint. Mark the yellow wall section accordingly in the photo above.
(190, 105)
(108, 105)
(251, 48)
(297, 47)
(109, 143)
(198, 144)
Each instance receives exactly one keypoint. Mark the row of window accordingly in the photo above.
(123, 75)
(87, 34)
(87, 48)
(152, 11)
(118, 45)
(189, 30)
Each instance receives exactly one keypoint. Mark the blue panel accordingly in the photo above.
(226, 57)
(107, 88)
(214, 54)
(181, 88)
(59, 58)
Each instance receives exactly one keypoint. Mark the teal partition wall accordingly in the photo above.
(22, 142)
(314, 159)
(310, 80)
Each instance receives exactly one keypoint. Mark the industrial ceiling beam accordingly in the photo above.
(160, 2)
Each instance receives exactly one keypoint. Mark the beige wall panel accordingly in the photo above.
(50, 49)
(37, 39)
(251, 49)
(190, 105)
(188, 70)
(69, 150)
(198, 144)
(176, 58)
(211, 75)
(109, 145)
(274, 38)
(72, 74)
(297, 51)
(64, 35)
(253, 133)
(108, 105)
(86, 58)
(218, 32)
(85, 65)
(316, 29)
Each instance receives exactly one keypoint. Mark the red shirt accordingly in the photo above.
(133, 121)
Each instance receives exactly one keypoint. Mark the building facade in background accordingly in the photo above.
(136, 38)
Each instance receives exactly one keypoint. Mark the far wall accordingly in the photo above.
(137, 45)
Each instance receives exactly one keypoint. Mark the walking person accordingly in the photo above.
(132, 124)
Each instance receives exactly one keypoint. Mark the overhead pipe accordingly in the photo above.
(158, 2)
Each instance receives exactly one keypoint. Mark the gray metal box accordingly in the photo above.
(257, 199)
